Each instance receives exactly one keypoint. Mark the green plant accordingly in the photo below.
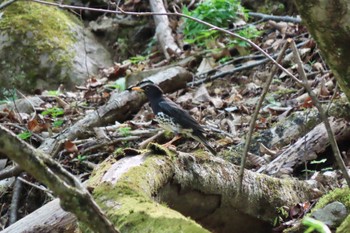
(118, 84)
(124, 131)
(81, 158)
(137, 59)
(8, 95)
(248, 32)
(118, 151)
(25, 135)
(57, 123)
(282, 214)
(315, 225)
(318, 161)
(53, 93)
(219, 13)
(54, 112)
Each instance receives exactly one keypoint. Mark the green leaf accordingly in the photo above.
(53, 93)
(57, 123)
(315, 225)
(81, 158)
(318, 161)
(125, 131)
(218, 13)
(25, 135)
(54, 112)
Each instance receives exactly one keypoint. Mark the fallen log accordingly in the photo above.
(131, 189)
(307, 148)
(118, 108)
(163, 30)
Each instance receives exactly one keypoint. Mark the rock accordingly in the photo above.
(26, 105)
(43, 46)
(332, 214)
(125, 35)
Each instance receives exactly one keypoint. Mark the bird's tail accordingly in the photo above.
(200, 137)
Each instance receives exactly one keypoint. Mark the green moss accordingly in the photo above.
(129, 203)
(38, 36)
(139, 213)
(345, 226)
(97, 174)
(341, 195)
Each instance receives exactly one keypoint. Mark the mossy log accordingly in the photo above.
(200, 186)
(158, 190)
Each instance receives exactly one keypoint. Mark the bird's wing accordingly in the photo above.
(179, 115)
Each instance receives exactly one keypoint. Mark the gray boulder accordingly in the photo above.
(43, 46)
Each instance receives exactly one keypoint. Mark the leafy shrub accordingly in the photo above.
(219, 13)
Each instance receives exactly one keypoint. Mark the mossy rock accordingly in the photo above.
(43, 46)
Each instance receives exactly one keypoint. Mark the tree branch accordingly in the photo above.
(74, 197)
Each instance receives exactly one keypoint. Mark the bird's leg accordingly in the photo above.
(177, 137)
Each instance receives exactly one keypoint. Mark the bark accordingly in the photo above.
(163, 30)
(329, 24)
(200, 186)
(307, 148)
(49, 218)
(119, 108)
(74, 197)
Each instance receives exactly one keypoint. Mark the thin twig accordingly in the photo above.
(9, 172)
(109, 143)
(16, 195)
(60, 181)
(323, 116)
(211, 26)
(255, 116)
(144, 143)
(5, 4)
(265, 17)
(236, 69)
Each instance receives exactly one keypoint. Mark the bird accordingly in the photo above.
(171, 116)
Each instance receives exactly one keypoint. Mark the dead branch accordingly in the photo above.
(62, 183)
(163, 30)
(307, 148)
(119, 108)
(323, 115)
(255, 116)
(49, 218)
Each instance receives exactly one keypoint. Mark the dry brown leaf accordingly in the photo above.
(256, 160)
(251, 89)
(70, 146)
(307, 103)
(264, 150)
(206, 65)
(184, 98)
(202, 94)
(318, 66)
(12, 116)
(324, 90)
(217, 102)
(33, 125)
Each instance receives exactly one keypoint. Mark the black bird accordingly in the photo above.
(171, 116)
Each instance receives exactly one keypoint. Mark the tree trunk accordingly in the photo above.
(329, 24)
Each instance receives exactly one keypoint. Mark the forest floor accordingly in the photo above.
(222, 97)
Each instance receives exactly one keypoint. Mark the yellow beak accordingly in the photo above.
(137, 89)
